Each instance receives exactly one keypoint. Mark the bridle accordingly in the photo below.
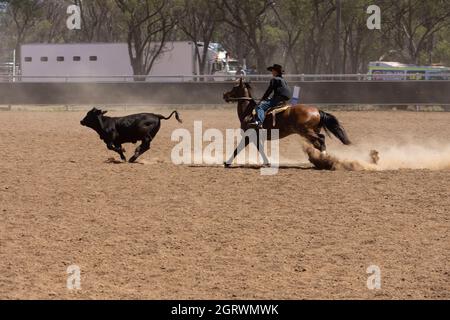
(247, 109)
(241, 98)
(249, 106)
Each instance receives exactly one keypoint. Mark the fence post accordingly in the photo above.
(295, 95)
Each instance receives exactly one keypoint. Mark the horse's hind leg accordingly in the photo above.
(321, 162)
(317, 140)
(323, 146)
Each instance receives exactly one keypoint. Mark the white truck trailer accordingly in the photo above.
(74, 62)
(111, 62)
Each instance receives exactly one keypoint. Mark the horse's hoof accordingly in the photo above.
(226, 165)
(266, 165)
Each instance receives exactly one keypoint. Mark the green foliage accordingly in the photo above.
(301, 34)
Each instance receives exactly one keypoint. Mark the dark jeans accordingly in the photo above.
(266, 105)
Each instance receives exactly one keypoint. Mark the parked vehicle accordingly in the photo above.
(382, 70)
(111, 62)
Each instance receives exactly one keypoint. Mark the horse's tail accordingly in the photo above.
(331, 124)
(177, 116)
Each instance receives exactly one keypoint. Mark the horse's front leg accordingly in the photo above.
(242, 145)
(260, 147)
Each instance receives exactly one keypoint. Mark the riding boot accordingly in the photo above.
(256, 125)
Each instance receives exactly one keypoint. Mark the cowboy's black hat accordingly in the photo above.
(276, 67)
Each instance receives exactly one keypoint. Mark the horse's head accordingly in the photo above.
(242, 93)
(240, 90)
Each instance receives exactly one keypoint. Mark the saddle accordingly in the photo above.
(281, 107)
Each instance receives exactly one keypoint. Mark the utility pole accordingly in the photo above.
(338, 61)
(14, 66)
(238, 40)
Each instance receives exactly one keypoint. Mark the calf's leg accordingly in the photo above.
(117, 149)
(121, 151)
(145, 145)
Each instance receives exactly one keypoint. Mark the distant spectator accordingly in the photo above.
(240, 72)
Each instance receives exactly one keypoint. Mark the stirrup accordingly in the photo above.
(255, 125)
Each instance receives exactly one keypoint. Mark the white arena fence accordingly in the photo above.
(221, 78)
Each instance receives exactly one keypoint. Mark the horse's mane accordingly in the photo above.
(248, 110)
(250, 89)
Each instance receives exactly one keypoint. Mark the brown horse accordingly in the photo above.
(307, 121)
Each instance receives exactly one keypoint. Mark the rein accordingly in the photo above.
(247, 110)
(241, 98)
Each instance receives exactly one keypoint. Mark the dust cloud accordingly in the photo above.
(378, 157)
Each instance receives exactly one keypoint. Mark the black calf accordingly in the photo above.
(133, 128)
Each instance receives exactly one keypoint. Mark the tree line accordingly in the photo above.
(306, 36)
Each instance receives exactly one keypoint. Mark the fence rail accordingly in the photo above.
(312, 92)
(225, 78)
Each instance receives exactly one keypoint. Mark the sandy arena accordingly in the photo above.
(156, 230)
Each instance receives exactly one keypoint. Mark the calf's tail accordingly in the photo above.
(177, 116)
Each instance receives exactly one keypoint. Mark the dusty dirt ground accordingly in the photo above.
(156, 230)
